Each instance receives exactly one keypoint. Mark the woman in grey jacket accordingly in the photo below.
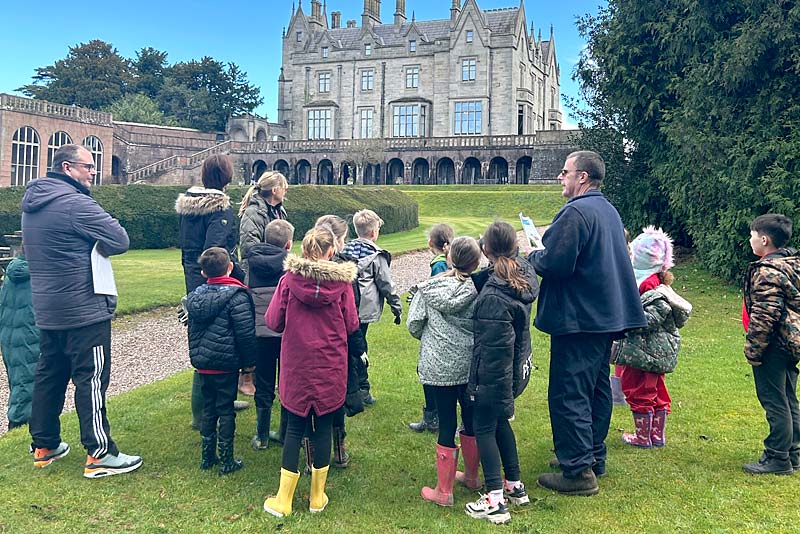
(262, 203)
(440, 316)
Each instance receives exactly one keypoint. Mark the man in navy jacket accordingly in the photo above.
(61, 224)
(588, 298)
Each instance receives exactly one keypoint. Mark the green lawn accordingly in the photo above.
(694, 484)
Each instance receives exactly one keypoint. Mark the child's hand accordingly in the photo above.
(398, 319)
(753, 363)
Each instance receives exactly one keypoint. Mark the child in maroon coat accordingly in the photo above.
(315, 308)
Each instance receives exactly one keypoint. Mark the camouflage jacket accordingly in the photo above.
(654, 348)
(772, 300)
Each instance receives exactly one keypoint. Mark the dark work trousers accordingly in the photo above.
(496, 444)
(84, 355)
(363, 372)
(446, 398)
(317, 428)
(776, 388)
(219, 392)
(267, 356)
(579, 398)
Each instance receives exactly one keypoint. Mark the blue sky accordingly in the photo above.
(246, 33)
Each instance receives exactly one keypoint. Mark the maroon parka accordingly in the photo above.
(315, 309)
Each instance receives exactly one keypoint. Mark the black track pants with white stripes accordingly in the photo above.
(83, 355)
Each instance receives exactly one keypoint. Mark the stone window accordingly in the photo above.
(467, 118)
(298, 36)
(412, 46)
(367, 49)
(552, 98)
(469, 36)
(324, 51)
(367, 79)
(324, 82)
(319, 124)
(408, 120)
(24, 156)
(366, 123)
(95, 148)
(468, 69)
(57, 140)
(412, 77)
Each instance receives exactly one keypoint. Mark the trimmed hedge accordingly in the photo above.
(148, 212)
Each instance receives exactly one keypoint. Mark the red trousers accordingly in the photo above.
(645, 392)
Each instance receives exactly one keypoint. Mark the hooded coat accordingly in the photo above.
(501, 358)
(61, 223)
(206, 220)
(314, 308)
(440, 316)
(257, 215)
(221, 328)
(19, 339)
(264, 272)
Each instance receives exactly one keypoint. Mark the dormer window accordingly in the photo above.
(324, 51)
(299, 36)
(469, 36)
(367, 49)
(412, 46)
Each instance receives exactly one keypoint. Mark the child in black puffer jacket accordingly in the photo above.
(221, 341)
(501, 367)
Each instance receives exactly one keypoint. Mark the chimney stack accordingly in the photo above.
(455, 9)
(336, 20)
(351, 23)
(400, 12)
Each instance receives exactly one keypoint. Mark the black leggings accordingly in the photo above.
(496, 443)
(318, 429)
(430, 397)
(268, 350)
(446, 399)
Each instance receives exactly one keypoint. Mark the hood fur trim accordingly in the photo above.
(201, 201)
(321, 271)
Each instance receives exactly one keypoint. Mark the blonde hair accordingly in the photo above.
(500, 241)
(317, 242)
(278, 232)
(366, 221)
(464, 255)
(264, 186)
(335, 224)
(441, 235)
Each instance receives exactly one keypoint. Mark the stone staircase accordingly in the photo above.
(177, 165)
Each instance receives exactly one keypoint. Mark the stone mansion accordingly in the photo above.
(472, 98)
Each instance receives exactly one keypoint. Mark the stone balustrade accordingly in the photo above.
(42, 107)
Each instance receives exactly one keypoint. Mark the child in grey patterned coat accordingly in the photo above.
(440, 316)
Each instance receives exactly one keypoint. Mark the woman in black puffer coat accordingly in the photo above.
(501, 367)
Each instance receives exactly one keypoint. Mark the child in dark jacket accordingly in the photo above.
(315, 309)
(501, 367)
(221, 341)
(265, 269)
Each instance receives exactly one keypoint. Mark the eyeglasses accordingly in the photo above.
(88, 166)
(565, 172)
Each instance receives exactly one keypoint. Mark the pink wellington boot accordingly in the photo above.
(657, 431)
(446, 461)
(472, 460)
(641, 439)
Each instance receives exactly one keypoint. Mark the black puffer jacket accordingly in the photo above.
(265, 270)
(501, 358)
(222, 333)
(207, 220)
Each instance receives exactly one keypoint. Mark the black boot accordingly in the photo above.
(584, 484)
(308, 449)
(769, 465)
(209, 452)
(340, 457)
(227, 464)
(260, 441)
(429, 422)
(280, 435)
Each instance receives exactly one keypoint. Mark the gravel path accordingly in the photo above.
(147, 347)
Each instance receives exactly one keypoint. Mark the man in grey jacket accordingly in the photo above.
(61, 224)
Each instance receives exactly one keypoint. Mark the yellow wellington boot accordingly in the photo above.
(281, 504)
(318, 500)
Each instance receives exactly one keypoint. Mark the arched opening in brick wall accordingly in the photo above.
(445, 171)
(524, 169)
(346, 173)
(498, 171)
(261, 135)
(471, 171)
(396, 171)
(282, 166)
(259, 167)
(372, 174)
(24, 155)
(116, 170)
(420, 171)
(302, 172)
(57, 140)
(325, 172)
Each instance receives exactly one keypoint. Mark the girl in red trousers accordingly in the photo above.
(315, 309)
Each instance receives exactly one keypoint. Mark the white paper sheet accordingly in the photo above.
(102, 274)
(534, 238)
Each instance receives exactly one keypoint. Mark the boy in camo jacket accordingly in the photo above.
(771, 318)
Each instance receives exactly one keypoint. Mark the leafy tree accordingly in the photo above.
(93, 75)
(139, 108)
(149, 68)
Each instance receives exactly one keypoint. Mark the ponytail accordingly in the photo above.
(500, 241)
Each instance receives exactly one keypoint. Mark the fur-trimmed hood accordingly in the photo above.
(318, 283)
(201, 201)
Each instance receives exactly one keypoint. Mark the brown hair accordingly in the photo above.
(335, 224)
(217, 171)
(278, 232)
(214, 261)
(317, 242)
(268, 181)
(464, 255)
(500, 241)
(592, 163)
(441, 235)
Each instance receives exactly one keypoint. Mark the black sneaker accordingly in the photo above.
(769, 465)
(481, 509)
(517, 496)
